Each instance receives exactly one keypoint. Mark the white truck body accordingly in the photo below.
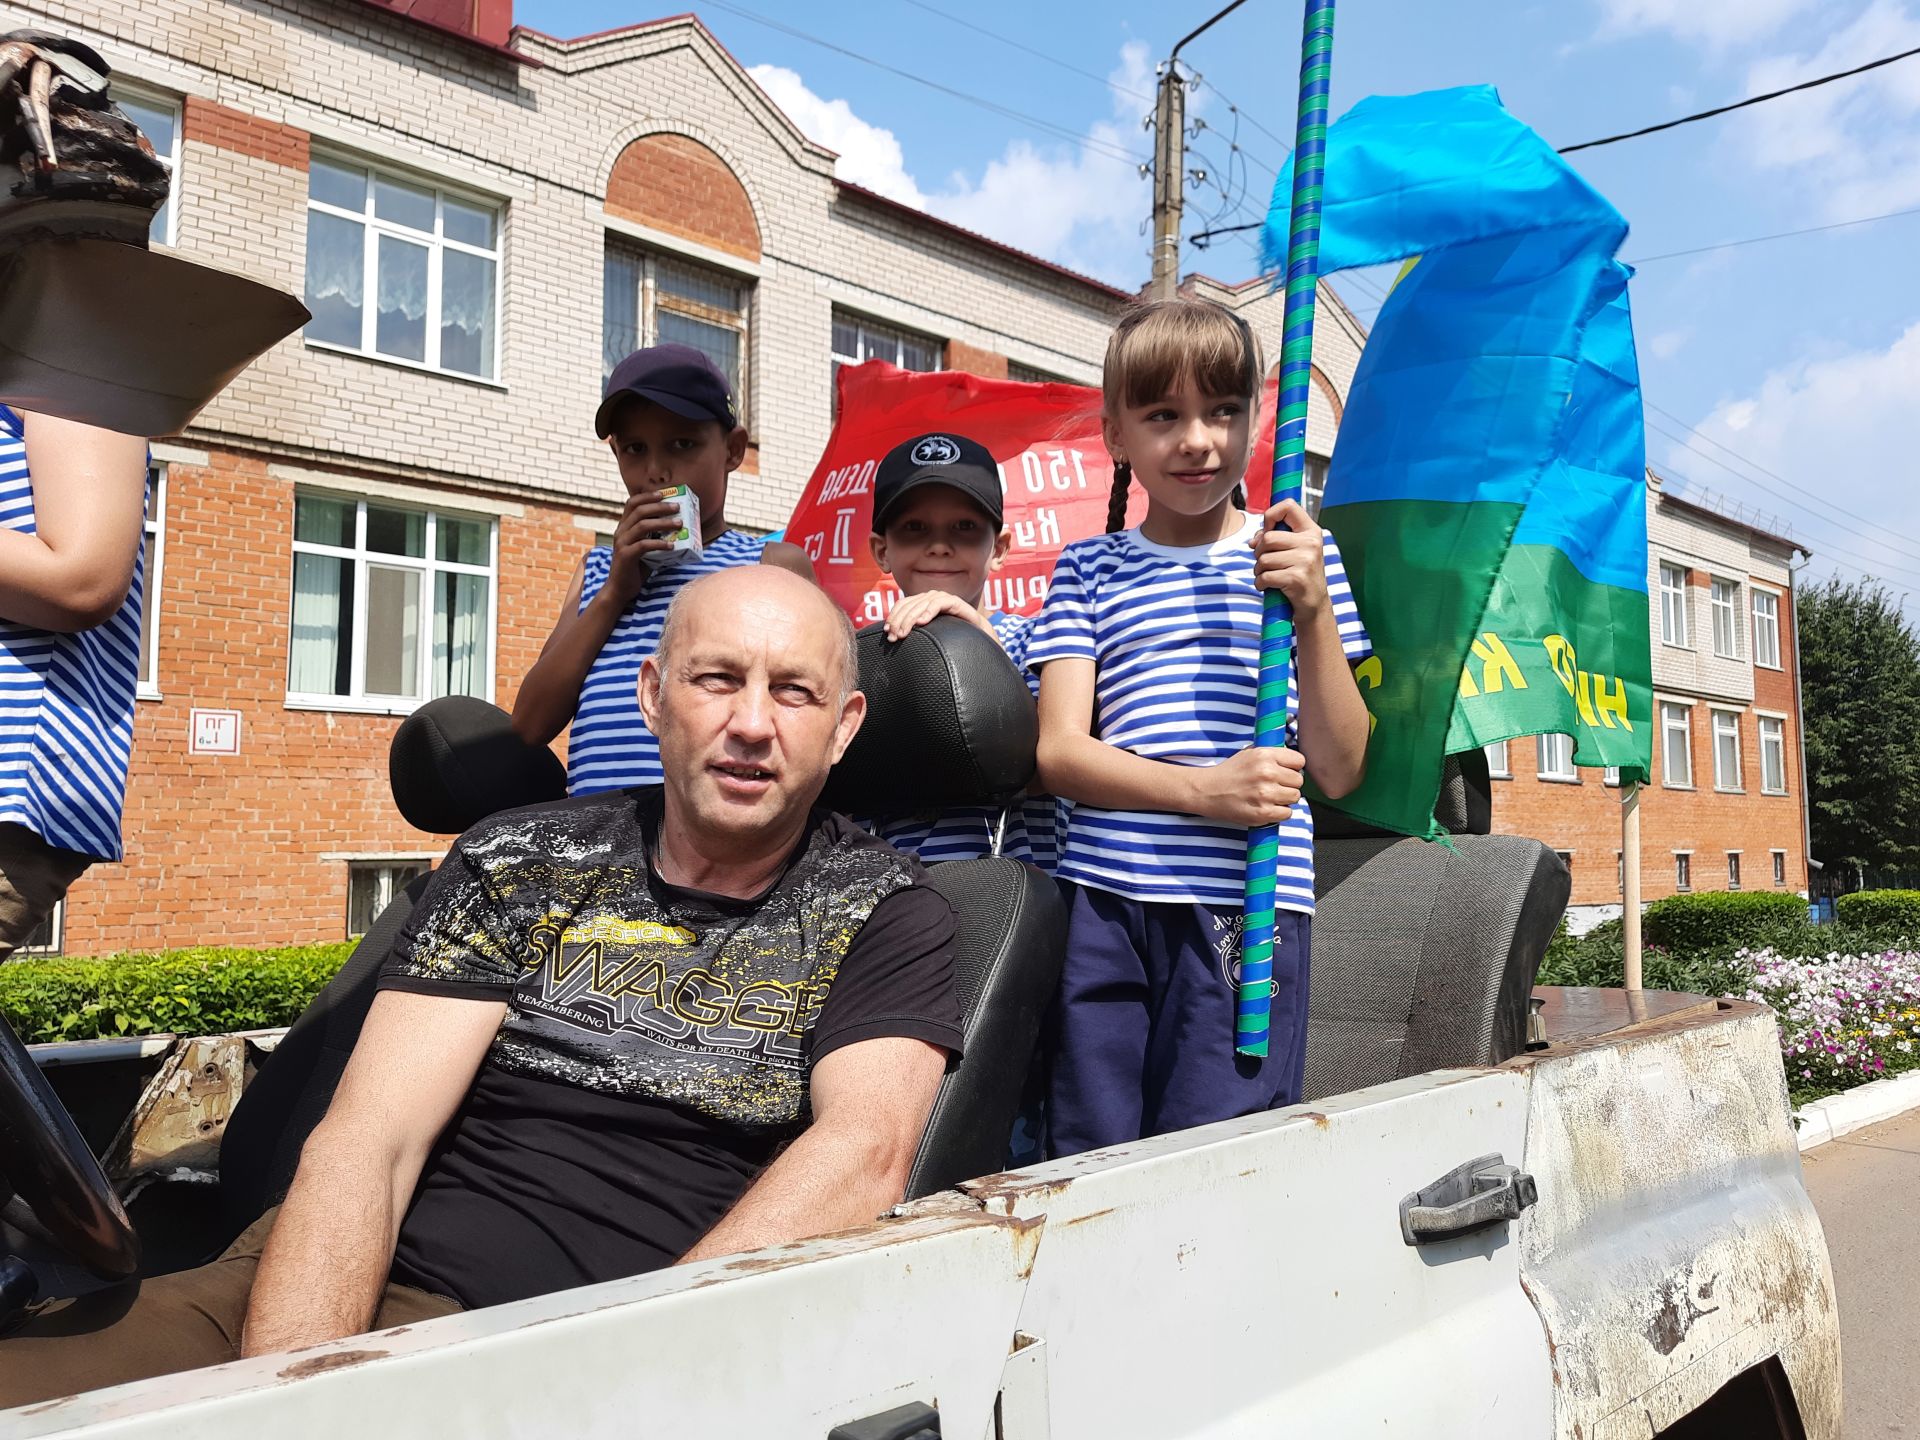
(1248, 1278)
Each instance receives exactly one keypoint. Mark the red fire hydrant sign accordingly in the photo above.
(1055, 475)
(213, 732)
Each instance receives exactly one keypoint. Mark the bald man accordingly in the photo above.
(620, 1031)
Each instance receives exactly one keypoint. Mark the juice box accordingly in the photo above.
(685, 533)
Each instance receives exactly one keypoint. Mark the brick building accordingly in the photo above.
(387, 507)
(1726, 806)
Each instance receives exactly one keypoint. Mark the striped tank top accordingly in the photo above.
(66, 701)
(610, 747)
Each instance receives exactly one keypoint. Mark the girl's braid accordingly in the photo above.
(1117, 497)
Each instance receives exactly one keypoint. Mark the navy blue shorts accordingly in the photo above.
(1142, 1033)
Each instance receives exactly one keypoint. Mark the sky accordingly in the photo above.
(1781, 376)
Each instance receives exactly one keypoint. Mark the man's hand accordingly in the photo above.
(870, 1104)
(917, 610)
(326, 1263)
(1258, 786)
(643, 520)
(1289, 556)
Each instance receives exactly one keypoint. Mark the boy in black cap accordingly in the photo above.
(670, 420)
(939, 530)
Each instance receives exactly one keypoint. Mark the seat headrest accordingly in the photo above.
(456, 760)
(950, 722)
(1465, 806)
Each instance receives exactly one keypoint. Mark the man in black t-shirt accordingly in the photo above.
(620, 1031)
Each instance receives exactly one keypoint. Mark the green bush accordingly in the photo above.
(1598, 958)
(1890, 912)
(1715, 922)
(210, 990)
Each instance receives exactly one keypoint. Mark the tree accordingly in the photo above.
(1860, 703)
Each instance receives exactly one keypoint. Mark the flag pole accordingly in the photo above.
(1630, 882)
(1253, 1010)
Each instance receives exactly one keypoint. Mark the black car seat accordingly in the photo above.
(1424, 955)
(949, 722)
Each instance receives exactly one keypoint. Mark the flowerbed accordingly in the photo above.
(1844, 1019)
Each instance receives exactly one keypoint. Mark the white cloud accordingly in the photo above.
(1669, 343)
(1072, 204)
(1839, 430)
(869, 156)
(1853, 147)
(1716, 23)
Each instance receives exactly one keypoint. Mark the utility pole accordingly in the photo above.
(1169, 165)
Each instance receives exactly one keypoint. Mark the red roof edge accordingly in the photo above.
(454, 32)
(1026, 257)
(1787, 542)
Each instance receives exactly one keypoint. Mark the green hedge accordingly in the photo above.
(1722, 920)
(1894, 911)
(206, 991)
(1597, 958)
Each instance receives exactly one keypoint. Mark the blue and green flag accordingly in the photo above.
(1489, 485)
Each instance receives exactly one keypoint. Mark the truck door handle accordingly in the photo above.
(1469, 1197)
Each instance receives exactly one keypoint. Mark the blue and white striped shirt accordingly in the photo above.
(610, 747)
(1175, 636)
(966, 833)
(66, 701)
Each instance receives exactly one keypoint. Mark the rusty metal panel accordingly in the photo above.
(1673, 1244)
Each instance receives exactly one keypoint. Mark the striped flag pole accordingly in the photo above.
(1253, 1011)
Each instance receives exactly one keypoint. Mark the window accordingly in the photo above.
(1733, 869)
(1725, 596)
(1556, 758)
(371, 886)
(1313, 482)
(1673, 604)
(1028, 375)
(1676, 746)
(148, 686)
(49, 935)
(856, 340)
(1773, 755)
(391, 606)
(1566, 858)
(1498, 764)
(1779, 867)
(159, 121)
(1619, 872)
(1726, 750)
(1611, 776)
(1766, 629)
(651, 300)
(402, 270)
(1682, 870)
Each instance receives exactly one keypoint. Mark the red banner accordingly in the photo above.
(1054, 473)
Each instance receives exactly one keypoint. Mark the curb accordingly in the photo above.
(1857, 1108)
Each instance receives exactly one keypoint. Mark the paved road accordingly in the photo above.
(1866, 1187)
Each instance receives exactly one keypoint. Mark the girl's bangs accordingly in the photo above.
(1158, 345)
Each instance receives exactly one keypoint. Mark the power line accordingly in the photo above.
(1100, 146)
(1038, 54)
(1740, 104)
(1778, 235)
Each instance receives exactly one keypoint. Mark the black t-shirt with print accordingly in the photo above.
(657, 1043)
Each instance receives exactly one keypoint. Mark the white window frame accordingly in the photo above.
(56, 923)
(1726, 616)
(1313, 481)
(372, 228)
(1620, 871)
(357, 699)
(166, 224)
(1501, 768)
(1771, 630)
(1673, 607)
(1683, 871)
(147, 684)
(1779, 723)
(1542, 744)
(1566, 859)
(1667, 749)
(1714, 731)
(1611, 776)
(871, 329)
(388, 886)
(647, 303)
(1779, 858)
(1733, 869)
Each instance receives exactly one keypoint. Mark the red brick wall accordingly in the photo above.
(678, 185)
(226, 849)
(1585, 817)
(217, 125)
(962, 356)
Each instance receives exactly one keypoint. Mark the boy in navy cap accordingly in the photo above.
(939, 529)
(670, 420)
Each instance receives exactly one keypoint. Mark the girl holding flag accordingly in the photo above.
(1148, 654)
